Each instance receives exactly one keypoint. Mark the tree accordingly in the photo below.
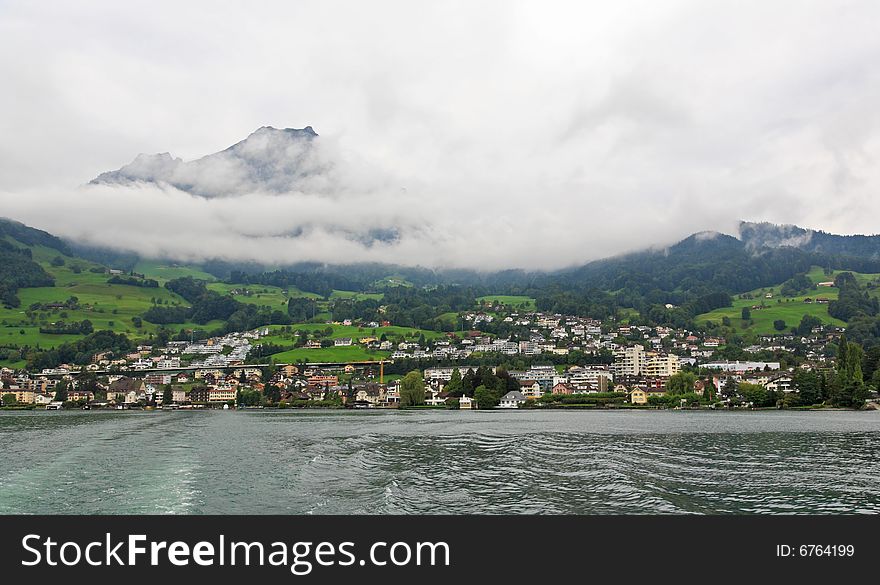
(754, 393)
(167, 394)
(709, 390)
(272, 393)
(808, 322)
(808, 387)
(248, 397)
(486, 397)
(849, 383)
(469, 383)
(746, 314)
(61, 391)
(779, 325)
(728, 389)
(412, 389)
(454, 386)
(301, 309)
(842, 358)
(681, 383)
(9, 399)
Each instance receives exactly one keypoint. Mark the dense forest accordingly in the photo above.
(852, 300)
(31, 236)
(134, 281)
(18, 270)
(760, 235)
(208, 305)
(315, 282)
(80, 351)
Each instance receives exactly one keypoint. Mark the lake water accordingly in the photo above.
(390, 462)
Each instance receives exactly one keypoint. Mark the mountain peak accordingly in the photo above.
(270, 159)
(307, 132)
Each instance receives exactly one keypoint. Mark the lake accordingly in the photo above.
(432, 462)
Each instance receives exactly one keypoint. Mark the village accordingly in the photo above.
(616, 365)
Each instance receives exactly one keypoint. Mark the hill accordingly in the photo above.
(54, 292)
(767, 235)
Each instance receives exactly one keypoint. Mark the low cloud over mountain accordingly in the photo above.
(526, 134)
(269, 160)
(287, 195)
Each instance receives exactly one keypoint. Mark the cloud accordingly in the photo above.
(489, 135)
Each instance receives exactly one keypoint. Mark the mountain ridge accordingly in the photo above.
(765, 234)
(269, 159)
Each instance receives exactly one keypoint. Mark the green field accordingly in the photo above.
(279, 337)
(817, 274)
(357, 296)
(512, 301)
(165, 272)
(114, 306)
(391, 281)
(451, 318)
(789, 309)
(107, 306)
(627, 315)
(261, 295)
(355, 352)
(276, 298)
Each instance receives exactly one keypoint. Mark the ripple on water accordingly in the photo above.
(440, 462)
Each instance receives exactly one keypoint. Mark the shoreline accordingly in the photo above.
(575, 408)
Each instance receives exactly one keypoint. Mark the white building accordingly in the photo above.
(739, 367)
(512, 399)
(630, 361)
(662, 366)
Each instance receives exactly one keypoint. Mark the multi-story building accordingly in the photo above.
(630, 361)
(662, 366)
(590, 379)
(198, 394)
(221, 394)
(157, 379)
(21, 396)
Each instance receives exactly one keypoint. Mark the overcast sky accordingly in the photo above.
(490, 134)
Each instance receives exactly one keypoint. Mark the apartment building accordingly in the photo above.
(630, 361)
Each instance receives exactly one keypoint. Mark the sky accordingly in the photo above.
(486, 134)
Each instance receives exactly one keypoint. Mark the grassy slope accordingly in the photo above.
(112, 306)
(165, 272)
(790, 310)
(354, 352)
(358, 296)
(512, 301)
(107, 306)
(279, 337)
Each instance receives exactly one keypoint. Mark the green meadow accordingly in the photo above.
(280, 336)
(108, 306)
(513, 301)
(788, 309)
(357, 296)
(165, 272)
(817, 274)
(356, 352)
(391, 281)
